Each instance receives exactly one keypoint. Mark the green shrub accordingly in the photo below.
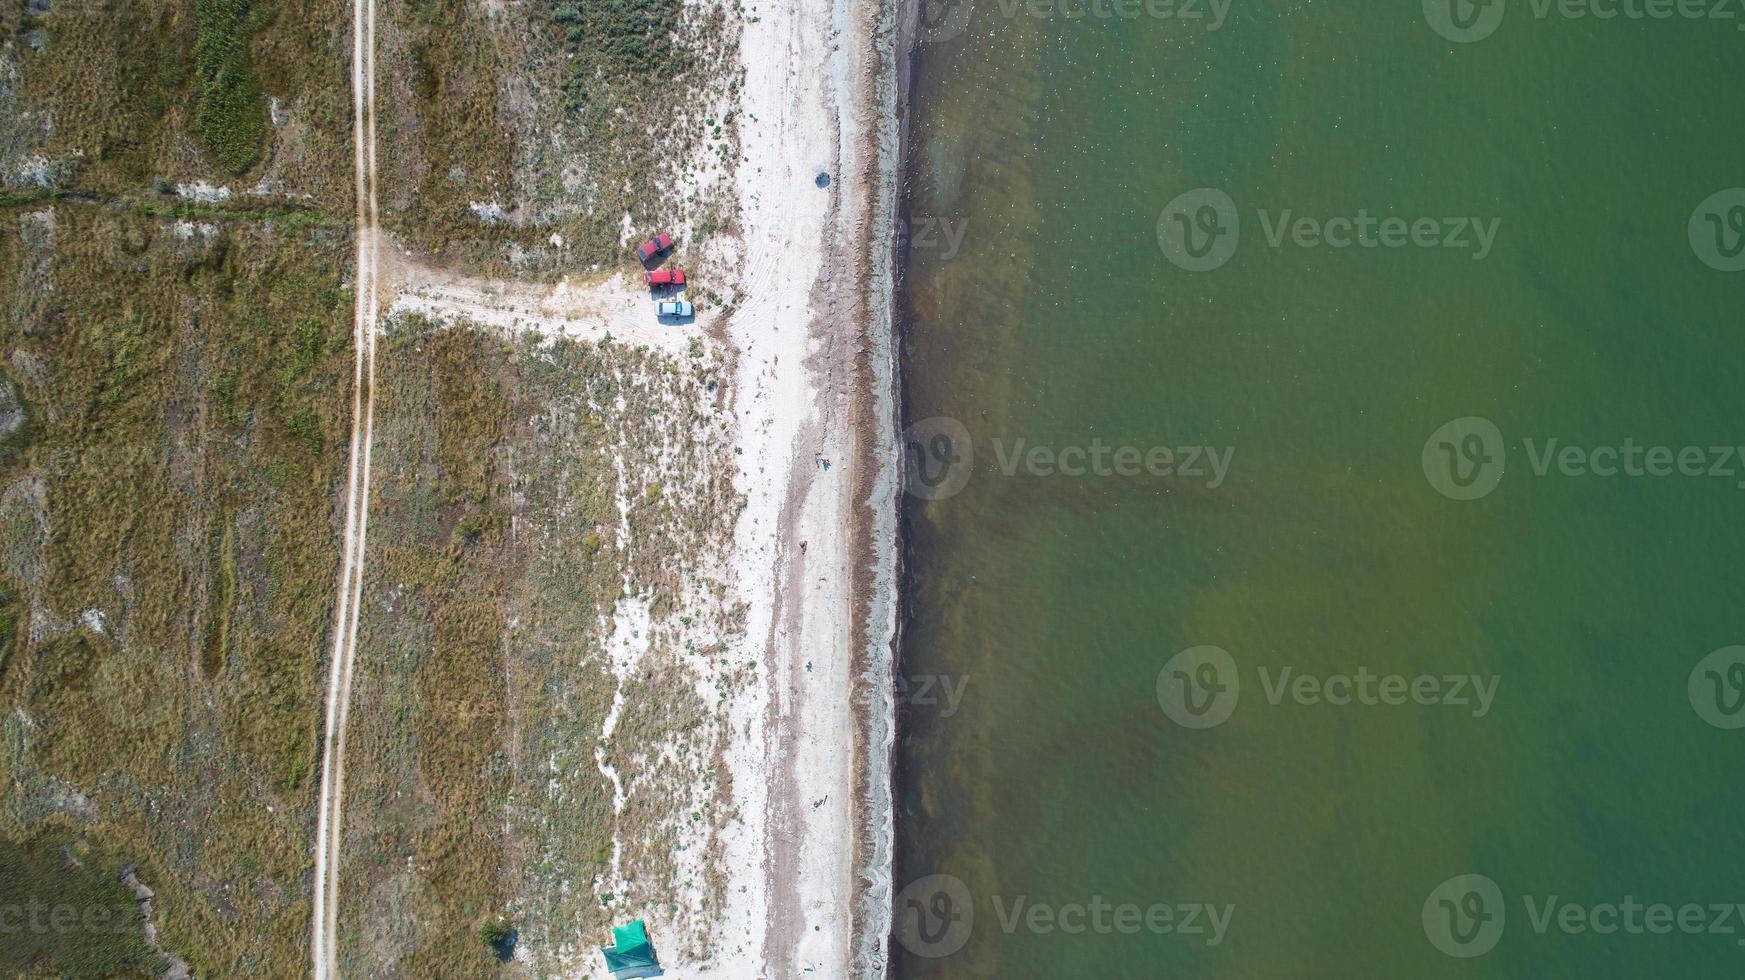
(230, 118)
(495, 933)
(618, 43)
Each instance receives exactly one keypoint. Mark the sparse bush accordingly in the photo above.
(621, 45)
(495, 934)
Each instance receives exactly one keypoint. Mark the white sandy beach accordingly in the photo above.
(815, 366)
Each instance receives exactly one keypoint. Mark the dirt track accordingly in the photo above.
(329, 823)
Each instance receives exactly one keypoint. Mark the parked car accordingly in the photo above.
(665, 277)
(658, 245)
(674, 307)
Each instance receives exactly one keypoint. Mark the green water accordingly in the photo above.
(1051, 603)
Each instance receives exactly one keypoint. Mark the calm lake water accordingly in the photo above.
(1272, 565)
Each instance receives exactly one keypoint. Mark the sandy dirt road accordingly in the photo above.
(329, 825)
(588, 308)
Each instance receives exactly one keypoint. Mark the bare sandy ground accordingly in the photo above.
(593, 308)
(815, 546)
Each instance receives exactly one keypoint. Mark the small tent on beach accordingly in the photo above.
(630, 954)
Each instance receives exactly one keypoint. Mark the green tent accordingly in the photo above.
(630, 954)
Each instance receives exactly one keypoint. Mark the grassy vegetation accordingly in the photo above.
(443, 130)
(161, 206)
(508, 124)
(231, 116)
(496, 934)
(618, 48)
(170, 513)
(484, 679)
(112, 77)
(168, 539)
(430, 782)
(131, 87)
(12, 622)
(68, 913)
(471, 416)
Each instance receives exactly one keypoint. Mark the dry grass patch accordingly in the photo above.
(503, 124)
(130, 99)
(166, 523)
(496, 604)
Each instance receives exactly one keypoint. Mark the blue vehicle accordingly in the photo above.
(674, 307)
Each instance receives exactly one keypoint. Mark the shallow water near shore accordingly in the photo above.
(1448, 647)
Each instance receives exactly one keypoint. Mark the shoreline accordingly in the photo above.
(808, 841)
(878, 520)
(906, 69)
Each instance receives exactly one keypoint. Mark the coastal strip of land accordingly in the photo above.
(815, 550)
